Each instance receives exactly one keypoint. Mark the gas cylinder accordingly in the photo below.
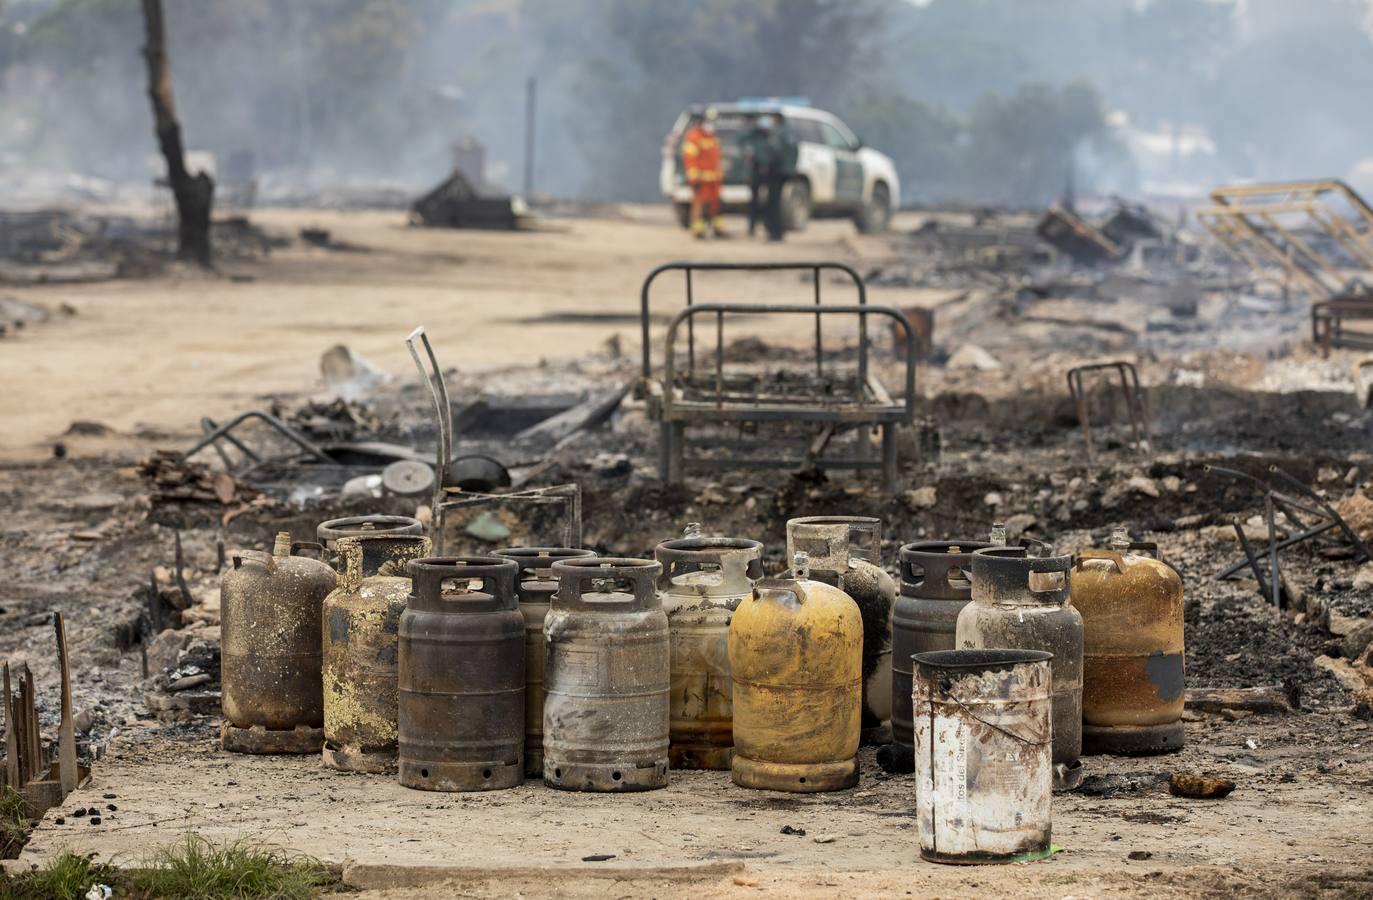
(1132, 677)
(361, 621)
(934, 590)
(461, 676)
(270, 611)
(846, 552)
(796, 658)
(703, 581)
(1021, 602)
(535, 587)
(329, 532)
(605, 719)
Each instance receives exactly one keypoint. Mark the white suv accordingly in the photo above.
(836, 176)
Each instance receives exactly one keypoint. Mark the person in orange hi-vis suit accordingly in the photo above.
(701, 161)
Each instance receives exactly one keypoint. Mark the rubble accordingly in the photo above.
(971, 356)
(459, 203)
(1011, 449)
(59, 246)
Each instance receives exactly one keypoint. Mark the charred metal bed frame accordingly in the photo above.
(831, 401)
(743, 399)
(815, 268)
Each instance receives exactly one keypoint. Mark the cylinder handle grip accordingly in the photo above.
(429, 577)
(638, 578)
(790, 586)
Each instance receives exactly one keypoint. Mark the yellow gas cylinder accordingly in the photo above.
(1132, 679)
(796, 657)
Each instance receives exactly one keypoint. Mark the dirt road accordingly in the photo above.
(158, 354)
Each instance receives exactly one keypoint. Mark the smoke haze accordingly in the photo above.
(980, 101)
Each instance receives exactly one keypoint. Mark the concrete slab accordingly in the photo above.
(702, 831)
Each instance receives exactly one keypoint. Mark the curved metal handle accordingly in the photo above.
(1110, 556)
(428, 577)
(308, 545)
(780, 586)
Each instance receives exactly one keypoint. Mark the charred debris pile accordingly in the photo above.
(1254, 269)
(1261, 533)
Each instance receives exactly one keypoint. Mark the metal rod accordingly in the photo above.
(443, 416)
(1328, 510)
(272, 421)
(719, 359)
(691, 329)
(1282, 545)
(1275, 584)
(819, 364)
(531, 92)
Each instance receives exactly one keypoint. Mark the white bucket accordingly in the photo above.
(983, 754)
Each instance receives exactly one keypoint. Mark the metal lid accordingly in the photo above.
(330, 531)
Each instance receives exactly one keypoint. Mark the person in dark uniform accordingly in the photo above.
(782, 167)
(758, 150)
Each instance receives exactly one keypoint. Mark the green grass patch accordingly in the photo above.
(14, 822)
(196, 869)
(65, 877)
(191, 869)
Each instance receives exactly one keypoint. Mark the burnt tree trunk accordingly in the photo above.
(194, 193)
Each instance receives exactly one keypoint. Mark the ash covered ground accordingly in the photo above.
(1232, 383)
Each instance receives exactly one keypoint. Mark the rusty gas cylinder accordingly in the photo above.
(535, 586)
(1132, 677)
(846, 552)
(703, 581)
(271, 605)
(605, 721)
(461, 676)
(329, 532)
(934, 590)
(796, 659)
(361, 622)
(1021, 602)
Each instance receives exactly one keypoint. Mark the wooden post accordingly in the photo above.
(66, 734)
(194, 193)
(12, 774)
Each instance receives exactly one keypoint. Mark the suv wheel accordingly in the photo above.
(796, 205)
(875, 215)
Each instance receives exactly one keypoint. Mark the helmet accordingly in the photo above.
(712, 114)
